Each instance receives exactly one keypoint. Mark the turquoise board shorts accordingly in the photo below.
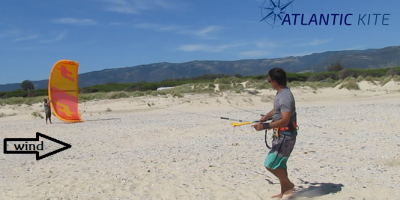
(280, 151)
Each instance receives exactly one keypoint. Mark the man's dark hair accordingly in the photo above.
(278, 75)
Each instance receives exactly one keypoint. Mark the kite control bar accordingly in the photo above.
(243, 122)
(239, 120)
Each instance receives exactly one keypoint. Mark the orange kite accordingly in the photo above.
(63, 91)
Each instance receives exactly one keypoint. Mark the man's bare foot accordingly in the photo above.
(280, 195)
(289, 190)
(288, 196)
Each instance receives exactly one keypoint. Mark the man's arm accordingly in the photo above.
(267, 116)
(284, 121)
(259, 126)
(285, 107)
(275, 124)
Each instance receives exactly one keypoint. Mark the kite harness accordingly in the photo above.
(291, 127)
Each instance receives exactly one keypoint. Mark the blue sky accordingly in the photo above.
(103, 34)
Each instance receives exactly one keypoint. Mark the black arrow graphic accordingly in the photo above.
(38, 157)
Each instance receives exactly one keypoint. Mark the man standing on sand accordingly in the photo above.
(47, 110)
(285, 130)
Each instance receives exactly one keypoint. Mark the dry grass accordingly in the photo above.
(372, 80)
(37, 114)
(21, 100)
(360, 78)
(7, 115)
(386, 80)
(351, 84)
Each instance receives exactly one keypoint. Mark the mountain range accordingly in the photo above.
(316, 62)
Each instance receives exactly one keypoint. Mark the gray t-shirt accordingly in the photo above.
(284, 102)
(46, 108)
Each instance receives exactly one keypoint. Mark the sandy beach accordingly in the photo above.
(348, 147)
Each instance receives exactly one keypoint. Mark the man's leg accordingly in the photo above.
(286, 185)
(48, 115)
(282, 146)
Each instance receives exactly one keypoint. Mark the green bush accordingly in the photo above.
(323, 76)
(329, 80)
(17, 93)
(335, 67)
(223, 87)
(228, 80)
(392, 72)
(263, 85)
(344, 73)
(117, 95)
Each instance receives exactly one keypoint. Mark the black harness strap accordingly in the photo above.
(266, 140)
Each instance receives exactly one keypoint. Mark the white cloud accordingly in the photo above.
(32, 48)
(205, 33)
(157, 27)
(354, 48)
(260, 48)
(17, 35)
(168, 4)
(265, 44)
(137, 6)
(57, 38)
(122, 9)
(207, 48)
(315, 42)
(73, 21)
(254, 53)
(9, 33)
(116, 23)
(297, 54)
(27, 37)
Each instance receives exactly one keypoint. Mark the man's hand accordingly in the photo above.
(260, 126)
(267, 116)
(263, 118)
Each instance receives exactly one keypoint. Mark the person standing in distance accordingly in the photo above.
(47, 110)
(285, 130)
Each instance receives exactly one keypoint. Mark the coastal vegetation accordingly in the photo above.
(211, 83)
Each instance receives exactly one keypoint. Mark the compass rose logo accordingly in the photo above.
(273, 11)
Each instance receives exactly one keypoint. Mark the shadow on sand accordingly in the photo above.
(89, 120)
(316, 190)
(92, 120)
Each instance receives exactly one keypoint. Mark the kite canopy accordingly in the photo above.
(63, 91)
